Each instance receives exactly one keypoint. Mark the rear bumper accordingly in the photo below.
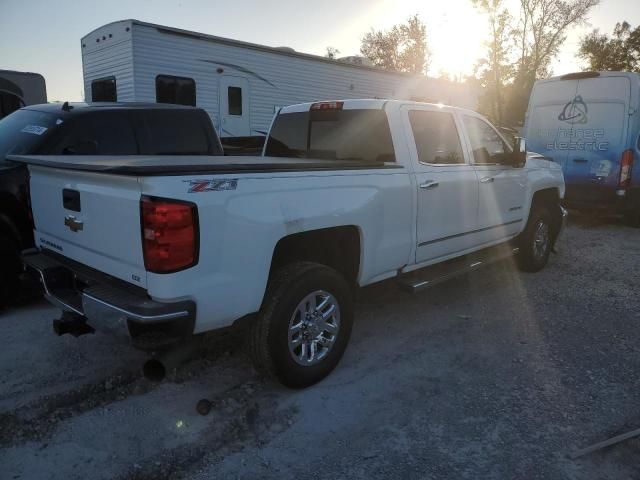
(594, 197)
(109, 303)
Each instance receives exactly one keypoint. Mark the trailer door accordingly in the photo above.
(234, 107)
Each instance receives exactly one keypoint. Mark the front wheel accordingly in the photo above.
(304, 325)
(536, 241)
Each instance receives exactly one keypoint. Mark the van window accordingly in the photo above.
(487, 146)
(173, 132)
(234, 97)
(104, 90)
(96, 133)
(436, 137)
(175, 90)
(360, 135)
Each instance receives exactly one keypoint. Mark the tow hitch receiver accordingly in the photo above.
(73, 324)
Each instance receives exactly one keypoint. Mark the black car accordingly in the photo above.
(84, 129)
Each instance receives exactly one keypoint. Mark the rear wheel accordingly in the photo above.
(304, 325)
(536, 241)
(10, 267)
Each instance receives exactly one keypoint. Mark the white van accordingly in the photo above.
(589, 123)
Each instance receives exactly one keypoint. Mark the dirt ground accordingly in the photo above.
(498, 374)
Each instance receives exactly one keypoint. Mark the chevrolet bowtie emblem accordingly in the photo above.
(73, 223)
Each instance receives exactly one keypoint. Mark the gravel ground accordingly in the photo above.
(498, 374)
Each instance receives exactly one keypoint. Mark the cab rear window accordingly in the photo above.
(356, 135)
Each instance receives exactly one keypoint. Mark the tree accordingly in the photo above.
(403, 48)
(332, 53)
(542, 30)
(620, 52)
(496, 69)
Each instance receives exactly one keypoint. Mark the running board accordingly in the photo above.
(427, 277)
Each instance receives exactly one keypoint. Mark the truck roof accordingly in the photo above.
(85, 106)
(371, 104)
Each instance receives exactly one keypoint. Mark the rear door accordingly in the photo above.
(548, 126)
(599, 120)
(447, 186)
(234, 107)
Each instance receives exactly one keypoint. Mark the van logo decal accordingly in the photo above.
(217, 185)
(575, 111)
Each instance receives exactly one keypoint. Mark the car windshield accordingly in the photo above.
(23, 132)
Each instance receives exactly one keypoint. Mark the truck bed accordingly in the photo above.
(155, 165)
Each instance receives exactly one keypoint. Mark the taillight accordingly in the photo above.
(326, 106)
(169, 234)
(626, 165)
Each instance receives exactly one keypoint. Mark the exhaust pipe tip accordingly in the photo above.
(154, 370)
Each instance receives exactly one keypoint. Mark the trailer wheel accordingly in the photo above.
(304, 324)
(536, 241)
(10, 267)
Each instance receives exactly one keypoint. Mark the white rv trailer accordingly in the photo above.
(18, 89)
(241, 85)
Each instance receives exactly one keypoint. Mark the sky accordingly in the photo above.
(44, 35)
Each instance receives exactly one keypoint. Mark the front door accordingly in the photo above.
(234, 107)
(447, 186)
(502, 187)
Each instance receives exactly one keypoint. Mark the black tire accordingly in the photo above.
(269, 346)
(10, 268)
(534, 254)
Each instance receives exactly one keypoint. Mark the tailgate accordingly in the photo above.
(92, 218)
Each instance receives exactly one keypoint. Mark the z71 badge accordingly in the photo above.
(197, 186)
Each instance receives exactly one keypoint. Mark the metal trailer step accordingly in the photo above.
(427, 277)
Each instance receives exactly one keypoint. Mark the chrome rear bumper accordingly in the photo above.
(106, 302)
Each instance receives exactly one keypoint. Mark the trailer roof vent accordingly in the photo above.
(286, 49)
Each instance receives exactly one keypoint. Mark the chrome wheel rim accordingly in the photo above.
(313, 328)
(540, 240)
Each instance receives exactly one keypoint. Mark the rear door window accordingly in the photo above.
(436, 137)
(358, 135)
(170, 132)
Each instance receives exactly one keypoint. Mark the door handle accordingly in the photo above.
(429, 184)
(486, 180)
(580, 160)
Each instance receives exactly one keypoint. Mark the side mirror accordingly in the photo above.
(519, 153)
(83, 147)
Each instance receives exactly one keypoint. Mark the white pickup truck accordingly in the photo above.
(347, 193)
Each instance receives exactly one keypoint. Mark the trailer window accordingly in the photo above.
(104, 90)
(360, 135)
(234, 97)
(176, 90)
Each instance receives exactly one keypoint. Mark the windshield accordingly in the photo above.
(23, 132)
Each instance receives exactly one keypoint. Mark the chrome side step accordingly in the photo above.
(435, 274)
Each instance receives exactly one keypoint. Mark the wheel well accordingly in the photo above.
(336, 247)
(550, 198)
(14, 221)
